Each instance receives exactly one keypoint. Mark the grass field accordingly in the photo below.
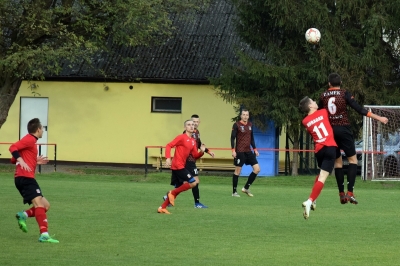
(106, 217)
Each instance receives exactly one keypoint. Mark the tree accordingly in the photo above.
(37, 35)
(359, 41)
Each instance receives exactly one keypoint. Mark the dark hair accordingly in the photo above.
(304, 105)
(34, 125)
(195, 116)
(243, 110)
(334, 79)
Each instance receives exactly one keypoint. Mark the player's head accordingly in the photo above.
(35, 127)
(307, 105)
(334, 80)
(189, 126)
(244, 115)
(196, 120)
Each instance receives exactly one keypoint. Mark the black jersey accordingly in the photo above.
(335, 101)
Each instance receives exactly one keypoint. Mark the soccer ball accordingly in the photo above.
(313, 35)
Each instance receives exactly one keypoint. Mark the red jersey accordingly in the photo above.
(27, 149)
(184, 145)
(317, 124)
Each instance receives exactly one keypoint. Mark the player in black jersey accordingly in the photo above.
(243, 133)
(336, 100)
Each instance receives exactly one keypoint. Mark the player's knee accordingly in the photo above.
(353, 159)
(238, 170)
(193, 184)
(256, 169)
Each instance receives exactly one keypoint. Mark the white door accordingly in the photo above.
(34, 107)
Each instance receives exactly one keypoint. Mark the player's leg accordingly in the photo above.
(350, 151)
(339, 174)
(238, 162)
(41, 205)
(174, 182)
(192, 168)
(21, 216)
(196, 195)
(251, 160)
(326, 160)
(189, 182)
(33, 194)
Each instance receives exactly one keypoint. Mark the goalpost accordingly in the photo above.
(381, 145)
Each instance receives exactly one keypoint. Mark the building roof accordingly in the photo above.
(193, 53)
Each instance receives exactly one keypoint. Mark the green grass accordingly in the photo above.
(109, 218)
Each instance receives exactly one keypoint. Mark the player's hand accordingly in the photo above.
(256, 152)
(384, 120)
(234, 154)
(203, 147)
(42, 159)
(23, 164)
(168, 162)
(211, 154)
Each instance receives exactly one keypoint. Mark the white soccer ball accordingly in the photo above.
(313, 35)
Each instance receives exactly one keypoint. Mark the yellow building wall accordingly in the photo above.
(91, 124)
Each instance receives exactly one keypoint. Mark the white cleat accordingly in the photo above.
(247, 192)
(235, 195)
(314, 205)
(307, 206)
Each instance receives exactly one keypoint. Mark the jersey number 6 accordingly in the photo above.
(331, 105)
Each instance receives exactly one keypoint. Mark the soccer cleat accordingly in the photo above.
(198, 205)
(350, 197)
(161, 210)
(21, 217)
(307, 206)
(343, 198)
(247, 192)
(165, 198)
(44, 238)
(171, 198)
(314, 205)
(235, 195)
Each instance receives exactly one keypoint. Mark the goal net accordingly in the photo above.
(381, 145)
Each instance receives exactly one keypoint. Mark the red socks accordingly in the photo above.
(316, 179)
(41, 218)
(178, 190)
(30, 212)
(316, 190)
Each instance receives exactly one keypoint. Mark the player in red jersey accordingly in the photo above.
(335, 100)
(25, 156)
(191, 164)
(326, 150)
(184, 145)
(243, 133)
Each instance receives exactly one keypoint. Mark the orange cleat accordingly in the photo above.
(161, 210)
(171, 198)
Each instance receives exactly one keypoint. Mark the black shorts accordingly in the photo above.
(28, 188)
(326, 157)
(344, 139)
(248, 158)
(178, 177)
(192, 168)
